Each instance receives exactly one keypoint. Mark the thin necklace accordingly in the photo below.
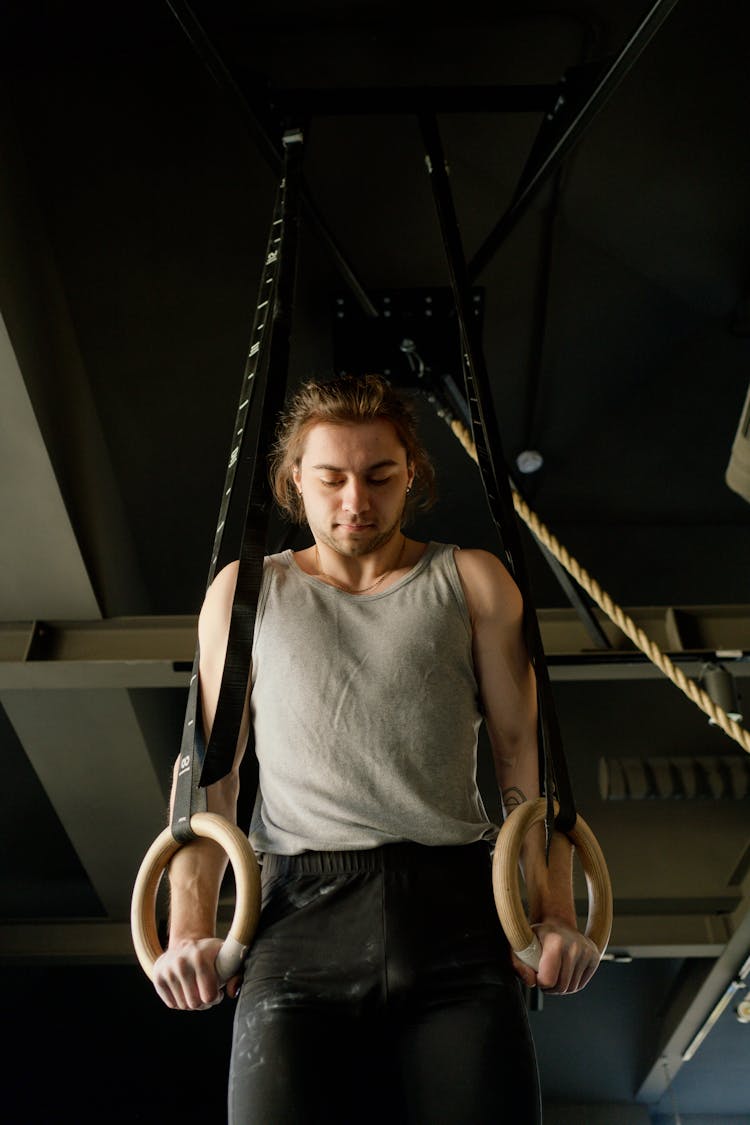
(365, 589)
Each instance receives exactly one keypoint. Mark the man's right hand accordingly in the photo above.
(185, 976)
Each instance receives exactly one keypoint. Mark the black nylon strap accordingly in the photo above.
(261, 399)
(552, 765)
(223, 742)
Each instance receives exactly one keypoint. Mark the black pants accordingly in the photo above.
(380, 989)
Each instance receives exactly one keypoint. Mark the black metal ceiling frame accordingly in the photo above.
(569, 107)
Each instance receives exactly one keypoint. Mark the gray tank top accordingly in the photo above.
(366, 712)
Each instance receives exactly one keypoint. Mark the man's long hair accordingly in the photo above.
(345, 400)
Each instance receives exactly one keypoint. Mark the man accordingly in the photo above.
(380, 986)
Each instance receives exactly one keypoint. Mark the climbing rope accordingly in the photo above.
(615, 613)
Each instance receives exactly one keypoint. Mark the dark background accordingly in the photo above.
(135, 198)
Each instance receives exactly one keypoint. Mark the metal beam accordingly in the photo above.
(577, 598)
(347, 101)
(668, 935)
(578, 667)
(581, 118)
(158, 651)
(65, 942)
(690, 1008)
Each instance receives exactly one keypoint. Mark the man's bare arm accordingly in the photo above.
(185, 976)
(508, 692)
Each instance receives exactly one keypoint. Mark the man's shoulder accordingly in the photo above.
(476, 559)
(226, 578)
(488, 585)
(224, 582)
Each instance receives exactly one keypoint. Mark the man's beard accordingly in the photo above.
(358, 548)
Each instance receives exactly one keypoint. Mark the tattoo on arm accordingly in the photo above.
(511, 798)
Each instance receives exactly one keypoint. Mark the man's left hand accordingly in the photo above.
(568, 962)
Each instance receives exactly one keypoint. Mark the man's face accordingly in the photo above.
(353, 479)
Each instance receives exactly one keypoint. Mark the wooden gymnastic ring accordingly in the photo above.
(505, 882)
(247, 884)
